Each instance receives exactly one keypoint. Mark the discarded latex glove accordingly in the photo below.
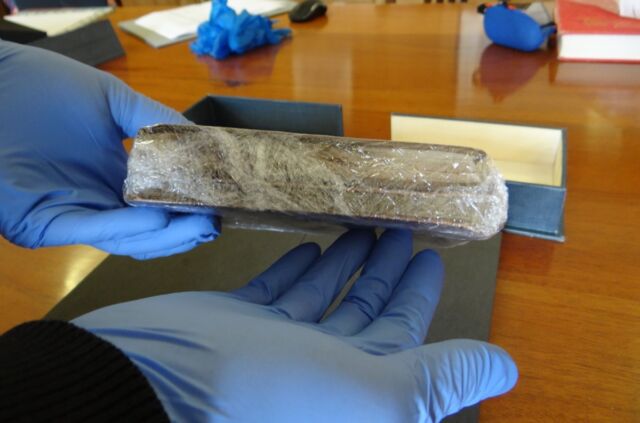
(510, 27)
(228, 33)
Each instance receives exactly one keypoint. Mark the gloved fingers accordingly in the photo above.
(183, 248)
(371, 292)
(308, 299)
(131, 110)
(182, 230)
(273, 282)
(406, 319)
(84, 226)
(459, 373)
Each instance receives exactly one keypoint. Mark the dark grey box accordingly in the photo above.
(91, 44)
(10, 31)
(535, 209)
(270, 115)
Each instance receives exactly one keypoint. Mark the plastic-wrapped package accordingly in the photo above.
(287, 181)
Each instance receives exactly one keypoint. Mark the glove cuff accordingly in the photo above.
(56, 371)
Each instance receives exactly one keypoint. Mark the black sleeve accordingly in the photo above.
(55, 371)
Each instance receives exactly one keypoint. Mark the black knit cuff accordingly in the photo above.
(55, 371)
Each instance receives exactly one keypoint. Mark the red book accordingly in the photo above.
(588, 33)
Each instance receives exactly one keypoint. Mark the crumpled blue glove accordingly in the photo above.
(227, 33)
(62, 161)
(264, 353)
(513, 28)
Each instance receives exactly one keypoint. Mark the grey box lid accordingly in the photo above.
(237, 256)
(92, 44)
(267, 114)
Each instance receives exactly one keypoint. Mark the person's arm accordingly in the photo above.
(56, 371)
(63, 163)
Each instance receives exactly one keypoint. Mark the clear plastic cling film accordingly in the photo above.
(287, 181)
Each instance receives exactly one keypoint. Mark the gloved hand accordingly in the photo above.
(264, 354)
(62, 162)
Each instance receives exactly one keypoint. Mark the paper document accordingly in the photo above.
(184, 21)
(58, 21)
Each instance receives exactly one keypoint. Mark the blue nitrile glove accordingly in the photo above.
(515, 29)
(62, 162)
(263, 353)
(228, 33)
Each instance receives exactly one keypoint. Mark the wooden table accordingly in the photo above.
(568, 313)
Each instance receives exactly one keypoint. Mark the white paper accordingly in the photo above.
(539, 13)
(58, 21)
(184, 21)
(630, 8)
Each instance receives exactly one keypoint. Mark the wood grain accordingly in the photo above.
(33, 281)
(568, 313)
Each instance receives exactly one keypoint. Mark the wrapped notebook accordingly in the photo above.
(286, 181)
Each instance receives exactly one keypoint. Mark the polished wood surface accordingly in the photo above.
(568, 313)
(33, 281)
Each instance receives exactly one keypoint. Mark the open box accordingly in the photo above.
(532, 159)
(269, 115)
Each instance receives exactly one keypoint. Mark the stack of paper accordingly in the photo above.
(177, 22)
(58, 21)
